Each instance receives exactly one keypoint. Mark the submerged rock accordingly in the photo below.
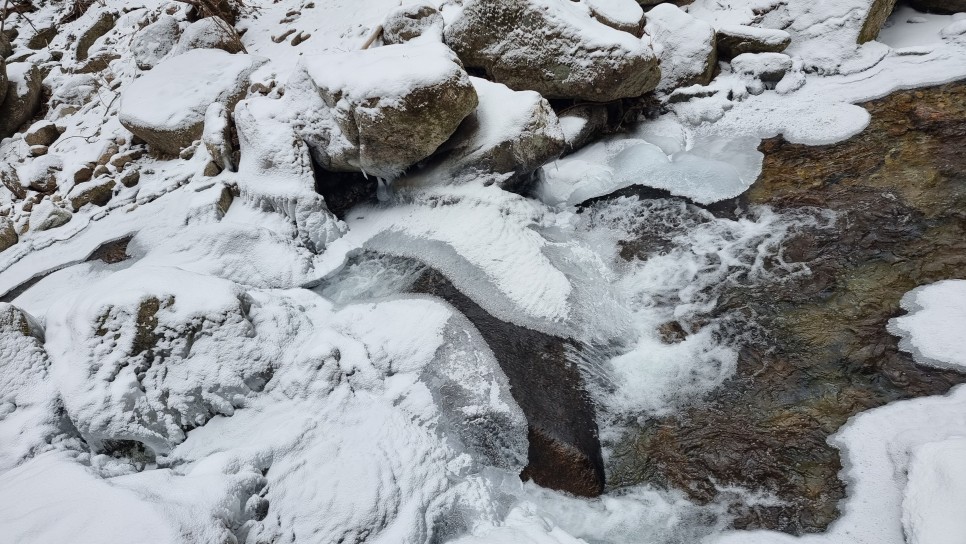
(553, 48)
(827, 354)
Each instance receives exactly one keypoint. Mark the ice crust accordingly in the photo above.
(247, 407)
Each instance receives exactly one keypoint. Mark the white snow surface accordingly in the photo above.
(198, 392)
(934, 330)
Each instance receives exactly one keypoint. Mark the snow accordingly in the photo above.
(685, 45)
(626, 13)
(197, 78)
(384, 74)
(907, 27)
(268, 412)
(936, 490)
(770, 36)
(934, 329)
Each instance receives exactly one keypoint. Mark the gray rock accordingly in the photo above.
(153, 42)
(412, 21)
(42, 38)
(24, 92)
(98, 192)
(5, 48)
(41, 173)
(41, 133)
(511, 132)
(10, 180)
(382, 125)
(198, 78)
(733, 40)
(553, 48)
(767, 67)
(209, 33)
(47, 215)
(8, 233)
(130, 178)
(940, 6)
(879, 11)
(101, 24)
(688, 53)
(217, 137)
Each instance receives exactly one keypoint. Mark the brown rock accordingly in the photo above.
(41, 133)
(940, 6)
(879, 11)
(98, 193)
(8, 234)
(130, 178)
(23, 96)
(84, 173)
(101, 25)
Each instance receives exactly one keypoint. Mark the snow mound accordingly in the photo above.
(934, 330)
(936, 490)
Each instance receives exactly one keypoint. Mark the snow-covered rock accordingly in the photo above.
(276, 173)
(8, 233)
(411, 21)
(764, 70)
(149, 353)
(41, 173)
(166, 106)
(153, 42)
(97, 192)
(41, 133)
(24, 90)
(209, 33)
(626, 15)
(46, 215)
(685, 45)
(733, 40)
(381, 110)
(552, 47)
(511, 134)
(582, 123)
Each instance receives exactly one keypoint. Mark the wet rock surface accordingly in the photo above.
(898, 193)
(545, 381)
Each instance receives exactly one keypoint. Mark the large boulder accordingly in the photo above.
(511, 134)
(166, 106)
(686, 46)
(209, 33)
(412, 21)
(734, 40)
(552, 47)
(153, 42)
(24, 92)
(381, 110)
